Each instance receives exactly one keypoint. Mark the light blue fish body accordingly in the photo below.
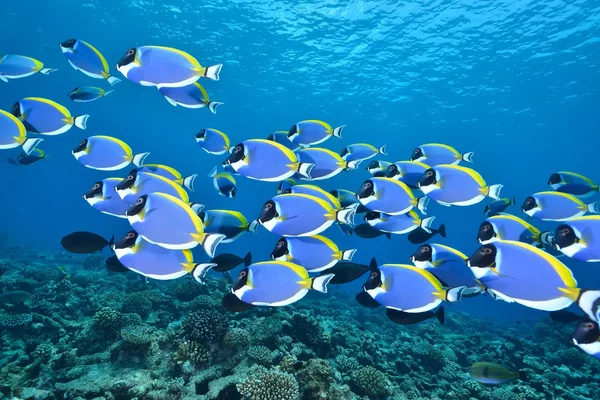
(169, 173)
(361, 151)
(327, 164)
(434, 154)
(108, 201)
(86, 58)
(213, 141)
(587, 231)
(14, 134)
(448, 266)
(224, 183)
(556, 206)
(106, 153)
(314, 253)
(316, 191)
(13, 66)
(190, 96)
(88, 93)
(281, 137)
(155, 262)
(509, 227)
(409, 172)
(46, 117)
(230, 223)
(313, 132)
(146, 183)
(391, 197)
(399, 224)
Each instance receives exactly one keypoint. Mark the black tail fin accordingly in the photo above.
(522, 375)
(248, 259)
(388, 235)
(442, 230)
(440, 314)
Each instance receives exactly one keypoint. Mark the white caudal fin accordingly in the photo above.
(494, 191)
(213, 72)
(3, 78)
(200, 270)
(213, 173)
(47, 71)
(455, 294)
(108, 92)
(382, 150)
(319, 283)
(212, 106)
(112, 80)
(353, 164)
(210, 243)
(253, 226)
(197, 207)
(426, 224)
(305, 168)
(346, 214)
(468, 157)
(422, 204)
(29, 144)
(347, 255)
(594, 207)
(80, 121)
(138, 159)
(188, 182)
(337, 132)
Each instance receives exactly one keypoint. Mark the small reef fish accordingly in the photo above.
(508, 227)
(494, 374)
(213, 141)
(498, 206)
(314, 253)
(378, 166)
(137, 184)
(86, 58)
(13, 66)
(359, 152)
(224, 183)
(106, 153)
(169, 173)
(85, 242)
(46, 117)
(231, 224)
(579, 238)
(281, 137)
(406, 318)
(421, 235)
(572, 183)
(103, 198)
(408, 172)
(86, 94)
(557, 206)
(326, 163)
(366, 231)
(14, 134)
(226, 261)
(389, 196)
(28, 159)
(312, 132)
(434, 154)
(345, 272)
(398, 224)
(190, 96)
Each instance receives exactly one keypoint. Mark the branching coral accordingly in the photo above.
(264, 384)
(260, 354)
(108, 319)
(371, 382)
(191, 351)
(138, 334)
(205, 326)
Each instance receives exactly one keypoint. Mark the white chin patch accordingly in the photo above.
(79, 154)
(124, 69)
(125, 192)
(239, 164)
(572, 250)
(479, 272)
(120, 253)
(367, 200)
(533, 211)
(422, 264)
(428, 189)
(94, 200)
(270, 225)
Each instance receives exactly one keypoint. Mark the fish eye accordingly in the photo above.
(243, 273)
(82, 143)
(130, 177)
(268, 206)
(565, 231)
(368, 184)
(589, 325)
(139, 201)
(280, 243)
(486, 227)
(487, 250)
(130, 52)
(424, 249)
(429, 173)
(373, 274)
(96, 186)
(238, 149)
(130, 235)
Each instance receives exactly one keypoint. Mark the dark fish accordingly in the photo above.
(366, 231)
(345, 272)
(113, 264)
(233, 304)
(365, 300)
(420, 235)
(16, 296)
(565, 316)
(404, 318)
(498, 206)
(85, 242)
(494, 374)
(226, 262)
(577, 189)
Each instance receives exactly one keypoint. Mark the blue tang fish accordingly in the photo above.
(265, 160)
(13, 66)
(213, 141)
(434, 154)
(106, 153)
(46, 117)
(170, 223)
(456, 185)
(86, 58)
(314, 253)
(190, 96)
(311, 132)
(231, 224)
(285, 185)
(389, 196)
(302, 215)
(587, 337)
(224, 183)
(28, 159)
(557, 206)
(164, 67)
(169, 173)
(14, 134)
(281, 137)
(327, 163)
(316, 191)
(138, 183)
(86, 94)
(361, 151)
(102, 197)
(518, 272)
(579, 238)
(508, 227)
(572, 183)
(398, 224)
(378, 167)
(156, 262)
(498, 206)
(407, 172)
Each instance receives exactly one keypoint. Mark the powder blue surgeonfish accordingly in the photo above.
(170, 223)
(456, 185)
(28, 159)
(157, 262)
(311, 132)
(272, 283)
(434, 154)
(572, 183)
(378, 167)
(106, 153)
(302, 215)
(46, 117)
(314, 253)
(313, 190)
(518, 272)
(265, 160)
(14, 134)
(398, 224)
(170, 173)
(327, 163)
(102, 197)
(213, 141)
(557, 206)
(579, 238)
(13, 66)
(86, 58)
(509, 227)
(408, 172)
(164, 67)
(86, 94)
(389, 196)
(281, 137)
(138, 183)
(361, 151)
(231, 224)
(224, 183)
(587, 337)
(190, 96)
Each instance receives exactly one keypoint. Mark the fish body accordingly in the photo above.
(231, 224)
(285, 185)
(213, 141)
(421, 235)
(557, 206)
(169, 173)
(46, 117)
(397, 224)
(494, 374)
(498, 206)
(84, 242)
(579, 238)
(359, 152)
(102, 197)
(345, 272)
(314, 253)
(389, 196)
(508, 227)
(347, 198)
(224, 183)
(137, 184)
(164, 67)
(408, 172)
(312, 132)
(281, 137)
(327, 164)
(86, 58)
(434, 154)
(190, 96)
(13, 66)
(587, 337)
(378, 166)
(226, 262)
(86, 94)
(456, 185)
(316, 191)
(14, 134)
(106, 153)
(28, 159)
(366, 231)
(572, 183)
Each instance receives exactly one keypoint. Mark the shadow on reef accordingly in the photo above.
(95, 334)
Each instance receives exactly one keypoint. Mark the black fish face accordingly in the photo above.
(554, 179)
(268, 212)
(128, 58)
(96, 190)
(484, 257)
(335, 193)
(16, 110)
(293, 131)
(68, 44)
(241, 280)
(81, 146)
(424, 253)
(486, 232)
(138, 206)
(202, 215)
(416, 154)
(587, 332)
(201, 134)
(366, 190)
(127, 241)
(374, 280)
(391, 171)
(373, 165)
(128, 182)
(281, 249)
(271, 137)
(371, 215)
(344, 152)
(236, 155)
(564, 237)
(428, 178)
(529, 204)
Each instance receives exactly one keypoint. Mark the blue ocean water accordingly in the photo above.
(515, 82)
